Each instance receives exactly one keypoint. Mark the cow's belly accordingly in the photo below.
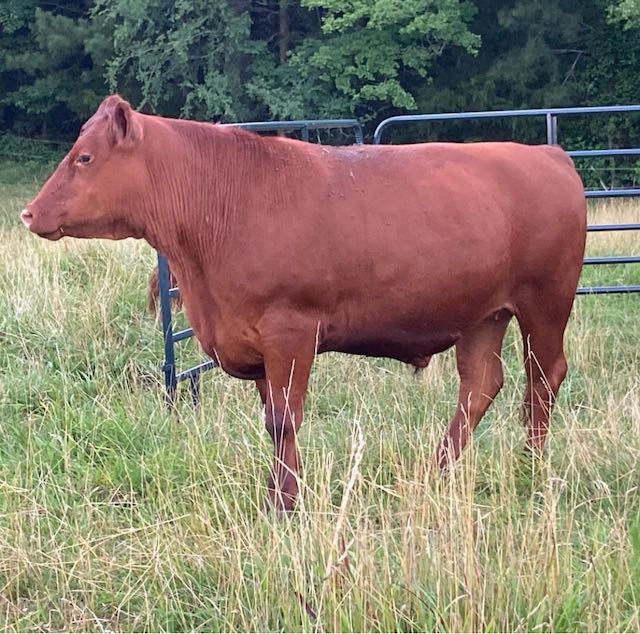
(409, 347)
(410, 335)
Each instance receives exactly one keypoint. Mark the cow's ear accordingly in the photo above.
(125, 127)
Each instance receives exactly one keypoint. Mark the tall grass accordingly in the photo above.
(115, 515)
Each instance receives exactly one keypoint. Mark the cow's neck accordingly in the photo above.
(211, 186)
(192, 205)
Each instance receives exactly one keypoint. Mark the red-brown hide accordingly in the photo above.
(284, 249)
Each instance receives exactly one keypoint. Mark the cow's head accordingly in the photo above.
(95, 189)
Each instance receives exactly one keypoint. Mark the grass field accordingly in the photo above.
(115, 515)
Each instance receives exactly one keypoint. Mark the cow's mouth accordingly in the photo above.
(51, 235)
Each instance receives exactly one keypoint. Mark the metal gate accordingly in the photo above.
(549, 117)
(171, 375)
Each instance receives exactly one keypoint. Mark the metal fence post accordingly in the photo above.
(552, 129)
(359, 136)
(169, 365)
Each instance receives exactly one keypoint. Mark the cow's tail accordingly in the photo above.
(153, 291)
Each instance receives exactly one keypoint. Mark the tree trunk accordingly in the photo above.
(235, 70)
(283, 24)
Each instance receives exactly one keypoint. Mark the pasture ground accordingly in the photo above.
(115, 515)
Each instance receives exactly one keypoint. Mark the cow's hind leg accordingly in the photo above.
(480, 370)
(542, 324)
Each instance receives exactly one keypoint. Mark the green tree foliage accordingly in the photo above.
(627, 11)
(183, 57)
(368, 56)
(263, 59)
(537, 53)
(51, 65)
(532, 52)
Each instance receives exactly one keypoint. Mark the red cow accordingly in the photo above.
(284, 249)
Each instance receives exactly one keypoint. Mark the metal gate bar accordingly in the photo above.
(303, 126)
(550, 114)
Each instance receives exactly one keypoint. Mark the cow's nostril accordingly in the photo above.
(26, 217)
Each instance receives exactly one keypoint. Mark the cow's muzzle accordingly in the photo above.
(37, 226)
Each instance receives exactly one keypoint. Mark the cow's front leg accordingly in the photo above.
(287, 368)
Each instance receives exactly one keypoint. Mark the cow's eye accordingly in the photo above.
(83, 159)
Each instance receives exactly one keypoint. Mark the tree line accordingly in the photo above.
(241, 60)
